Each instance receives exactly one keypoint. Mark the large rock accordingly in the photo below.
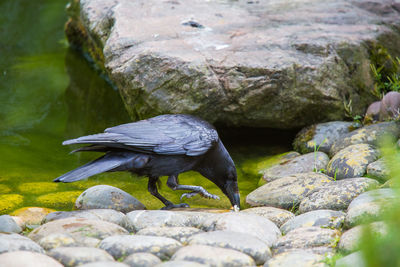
(298, 258)
(336, 195)
(15, 242)
(378, 169)
(268, 63)
(74, 256)
(142, 259)
(305, 163)
(8, 225)
(275, 215)
(179, 233)
(27, 259)
(288, 191)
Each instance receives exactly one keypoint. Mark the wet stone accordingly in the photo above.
(85, 232)
(57, 240)
(369, 206)
(298, 258)
(213, 256)
(245, 243)
(180, 234)
(352, 161)
(181, 264)
(27, 259)
(121, 246)
(370, 134)
(8, 225)
(336, 195)
(14, 242)
(378, 170)
(107, 197)
(288, 191)
(301, 164)
(321, 136)
(254, 225)
(316, 239)
(73, 256)
(275, 215)
(320, 218)
(142, 260)
(355, 259)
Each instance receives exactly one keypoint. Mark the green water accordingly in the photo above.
(49, 93)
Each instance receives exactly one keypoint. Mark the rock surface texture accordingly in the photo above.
(279, 64)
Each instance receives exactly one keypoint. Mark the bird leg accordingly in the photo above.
(152, 187)
(172, 183)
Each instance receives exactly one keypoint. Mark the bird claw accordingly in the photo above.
(203, 194)
(188, 195)
(175, 206)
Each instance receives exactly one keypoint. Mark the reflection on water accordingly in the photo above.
(49, 93)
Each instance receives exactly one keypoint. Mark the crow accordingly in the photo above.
(166, 145)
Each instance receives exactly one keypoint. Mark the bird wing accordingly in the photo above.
(165, 134)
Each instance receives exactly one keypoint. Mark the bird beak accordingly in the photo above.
(232, 192)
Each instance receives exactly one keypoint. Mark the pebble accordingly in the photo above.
(178, 233)
(320, 218)
(107, 197)
(8, 225)
(248, 244)
(352, 161)
(288, 191)
(301, 164)
(298, 258)
(251, 224)
(318, 240)
(378, 170)
(121, 246)
(275, 215)
(73, 256)
(213, 256)
(14, 242)
(336, 195)
(142, 259)
(27, 259)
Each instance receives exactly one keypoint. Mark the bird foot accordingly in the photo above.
(204, 194)
(173, 206)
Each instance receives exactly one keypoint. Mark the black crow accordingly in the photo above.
(166, 145)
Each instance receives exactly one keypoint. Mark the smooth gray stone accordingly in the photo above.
(13, 242)
(254, 225)
(121, 246)
(107, 197)
(180, 264)
(182, 234)
(320, 218)
(378, 169)
(248, 244)
(104, 264)
(336, 195)
(142, 259)
(27, 259)
(298, 258)
(352, 260)
(73, 256)
(275, 215)
(8, 225)
(57, 240)
(213, 256)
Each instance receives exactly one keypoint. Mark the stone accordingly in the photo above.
(254, 225)
(180, 264)
(369, 206)
(31, 215)
(8, 225)
(85, 232)
(73, 256)
(390, 106)
(57, 240)
(350, 240)
(288, 191)
(371, 134)
(378, 170)
(107, 197)
(389, 183)
(221, 61)
(141, 219)
(178, 233)
(298, 258)
(197, 218)
(213, 256)
(301, 164)
(108, 215)
(336, 195)
(13, 242)
(104, 264)
(27, 259)
(248, 244)
(355, 259)
(372, 113)
(352, 161)
(320, 136)
(121, 246)
(142, 259)
(316, 239)
(320, 218)
(275, 215)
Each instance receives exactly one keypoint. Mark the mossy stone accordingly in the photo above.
(37, 188)
(8, 202)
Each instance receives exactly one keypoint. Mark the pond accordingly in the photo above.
(50, 93)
